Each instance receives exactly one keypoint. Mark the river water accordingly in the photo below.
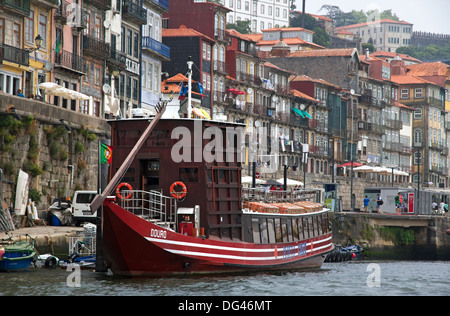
(369, 278)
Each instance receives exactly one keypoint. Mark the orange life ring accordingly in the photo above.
(129, 187)
(178, 195)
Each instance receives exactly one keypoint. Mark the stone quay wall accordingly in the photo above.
(58, 160)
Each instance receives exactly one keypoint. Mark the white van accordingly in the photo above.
(81, 207)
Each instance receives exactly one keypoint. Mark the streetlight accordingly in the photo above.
(352, 200)
(38, 42)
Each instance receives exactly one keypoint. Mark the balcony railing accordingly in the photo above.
(155, 46)
(101, 4)
(61, 13)
(21, 7)
(117, 59)
(15, 55)
(134, 11)
(95, 47)
(219, 66)
(70, 61)
(162, 3)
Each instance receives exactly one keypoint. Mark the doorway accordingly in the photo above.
(150, 175)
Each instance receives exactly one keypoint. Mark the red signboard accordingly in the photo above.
(411, 203)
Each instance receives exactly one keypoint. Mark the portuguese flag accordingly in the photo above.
(105, 154)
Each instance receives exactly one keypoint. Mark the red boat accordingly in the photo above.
(210, 224)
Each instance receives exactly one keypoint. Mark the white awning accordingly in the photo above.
(52, 88)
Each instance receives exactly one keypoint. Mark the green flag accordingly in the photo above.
(58, 46)
(105, 154)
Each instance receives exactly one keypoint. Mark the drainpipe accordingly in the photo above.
(71, 175)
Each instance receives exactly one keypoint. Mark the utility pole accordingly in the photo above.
(304, 12)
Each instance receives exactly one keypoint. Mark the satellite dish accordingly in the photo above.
(114, 107)
(106, 24)
(352, 91)
(106, 88)
(257, 123)
(274, 98)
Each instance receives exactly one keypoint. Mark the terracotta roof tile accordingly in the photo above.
(324, 52)
(429, 69)
(408, 79)
(287, 29)
(303, 95)
(183, 31)
(381, 54)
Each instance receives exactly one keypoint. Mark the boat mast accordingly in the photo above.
(99, 199)
(189, 73)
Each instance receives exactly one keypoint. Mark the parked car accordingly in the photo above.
(81, 207)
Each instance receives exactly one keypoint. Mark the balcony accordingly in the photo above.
(260, 109)
(394, 124)
(48, 4)
(220, 96)
(95, 48)
(100, 4)
(117, 60)
(134, 12)
(20, 7)
(154, 46)
(219, 66)
(162, 3)
(70, 62)
(14, 55)
(393, 146)
(61, 13)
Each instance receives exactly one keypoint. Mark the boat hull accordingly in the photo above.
(16, 260)
(135, 247)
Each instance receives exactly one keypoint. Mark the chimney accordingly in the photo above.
(280, 50)
(398, 67)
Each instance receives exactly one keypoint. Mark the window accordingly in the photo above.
(418, 114)
(156, 79)
(144, 74)
(135, 89)
(123, 39)
(136, 46)
(149, 76)
(418, 93)
(29, 27)
(417, 138)
(97, 78)
(43, 29)
(404, 94)
(130, 42)
(97, 28)
(128, 87)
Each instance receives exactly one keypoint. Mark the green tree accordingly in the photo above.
(242, 27)
(321, 37)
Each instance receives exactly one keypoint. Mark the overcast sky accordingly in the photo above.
(426, 15)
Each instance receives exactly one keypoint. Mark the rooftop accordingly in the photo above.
(324, 52)
(352, 26)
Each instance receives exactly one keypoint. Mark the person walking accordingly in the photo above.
(379, 203)
(398, 203)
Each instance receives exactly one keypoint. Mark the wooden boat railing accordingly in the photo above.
(151, 206)
(259, 194)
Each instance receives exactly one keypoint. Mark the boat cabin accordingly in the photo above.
(205, 156)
